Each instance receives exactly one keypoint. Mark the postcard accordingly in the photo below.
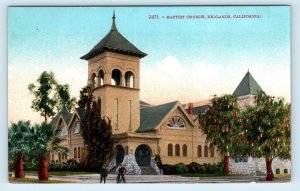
(160, 94)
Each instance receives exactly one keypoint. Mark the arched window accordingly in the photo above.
(212, 151)
(76, 127)
(170, 150)
(116, 113)
(116, 77)
(199, 151)
(205, 151)
(129, 79)
(177, 150)
(101, 78)
(93, 80)
(52, 156)
(66, 156)
(75, 153)
(79, 152)
(184, 150)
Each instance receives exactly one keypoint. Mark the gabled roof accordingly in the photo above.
(199, 109)
(64, 114)
(150, 117)
(248, 85)
(144, 104)
(80, 112)
(114, 42)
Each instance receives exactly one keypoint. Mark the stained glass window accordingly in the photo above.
(176, 122)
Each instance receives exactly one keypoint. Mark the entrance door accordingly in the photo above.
(143, 155)
(119, 154)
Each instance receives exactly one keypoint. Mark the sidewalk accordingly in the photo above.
(167, 179)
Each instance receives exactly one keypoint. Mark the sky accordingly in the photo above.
(188, 59)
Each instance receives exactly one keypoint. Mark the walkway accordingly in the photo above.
(133, 179)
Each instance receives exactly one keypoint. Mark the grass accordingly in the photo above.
(61, 173)
(282, 175)
(34, 180)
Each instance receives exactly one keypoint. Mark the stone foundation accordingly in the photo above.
(131, 166)
(257, 166)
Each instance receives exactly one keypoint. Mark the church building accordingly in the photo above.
(141, 130)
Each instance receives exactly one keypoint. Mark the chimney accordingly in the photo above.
(190, 109)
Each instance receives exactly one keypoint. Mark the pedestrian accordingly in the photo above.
(121, 174)
(103, 174)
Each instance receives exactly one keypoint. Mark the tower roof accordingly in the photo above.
(248, 85)
(114, 42)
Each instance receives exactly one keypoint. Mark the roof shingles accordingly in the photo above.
(152, 116)
(114, 42)
(247, 86)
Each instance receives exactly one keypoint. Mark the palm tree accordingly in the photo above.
(45, 139)
(18, 146)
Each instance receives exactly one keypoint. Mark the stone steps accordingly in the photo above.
(147, 170)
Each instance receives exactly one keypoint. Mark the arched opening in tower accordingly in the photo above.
(116, 77)
(129, 79)
(101, 78)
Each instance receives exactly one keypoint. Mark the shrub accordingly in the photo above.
(158, 161)
(194, 167)
(168, 169)
(181, 168)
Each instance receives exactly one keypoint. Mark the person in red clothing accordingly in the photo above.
(121, 173)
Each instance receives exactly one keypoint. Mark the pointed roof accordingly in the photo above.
(64, 113)
(114, 42)
(151, 117)
(248, 85)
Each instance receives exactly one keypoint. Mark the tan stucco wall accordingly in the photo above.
(191, 136)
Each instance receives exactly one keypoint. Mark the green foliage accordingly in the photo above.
(43, 101)
(194, 168)
(50, 95)
(95, 130)
(63, 98)
(218, 123)
(181, 168)
(33, 141)
(19, 135)
(266, 131)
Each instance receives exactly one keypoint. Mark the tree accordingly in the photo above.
(45, 139)
(95, 130)
(218, 123)
(267, 130)
(31, 144)
(44, 102)
(18, 146)
(63, 98)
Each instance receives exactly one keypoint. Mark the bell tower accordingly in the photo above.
(114, 73)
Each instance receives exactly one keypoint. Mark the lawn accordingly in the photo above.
(61, 173)
(35, 180)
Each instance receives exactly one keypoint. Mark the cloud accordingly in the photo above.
(170, 80)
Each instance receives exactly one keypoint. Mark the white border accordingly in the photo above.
(295, 99)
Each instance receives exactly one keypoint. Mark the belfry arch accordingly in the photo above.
(116, 76)
(129, 79)
(101, 78)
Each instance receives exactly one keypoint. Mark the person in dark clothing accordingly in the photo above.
(121, 173)
(103, 174)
